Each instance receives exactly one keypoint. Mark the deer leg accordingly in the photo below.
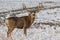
(24, 28)
(9, 31)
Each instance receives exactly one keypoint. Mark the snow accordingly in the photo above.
(36, 31)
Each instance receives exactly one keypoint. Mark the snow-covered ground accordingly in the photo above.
(47, 32)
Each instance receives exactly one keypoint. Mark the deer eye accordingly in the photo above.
(33, 14)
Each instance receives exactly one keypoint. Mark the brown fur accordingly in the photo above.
(21, 22)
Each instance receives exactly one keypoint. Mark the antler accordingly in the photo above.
(37, 9)
(23, 5)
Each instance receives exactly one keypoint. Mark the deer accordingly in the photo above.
(21, 22)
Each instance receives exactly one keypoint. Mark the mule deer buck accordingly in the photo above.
(21, 22)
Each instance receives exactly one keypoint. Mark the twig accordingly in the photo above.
(49, 23)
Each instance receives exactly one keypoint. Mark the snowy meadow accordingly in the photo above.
(40, 29)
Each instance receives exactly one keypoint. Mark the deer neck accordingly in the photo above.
(31, 17)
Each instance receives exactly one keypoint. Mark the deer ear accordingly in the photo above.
(23, 5)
